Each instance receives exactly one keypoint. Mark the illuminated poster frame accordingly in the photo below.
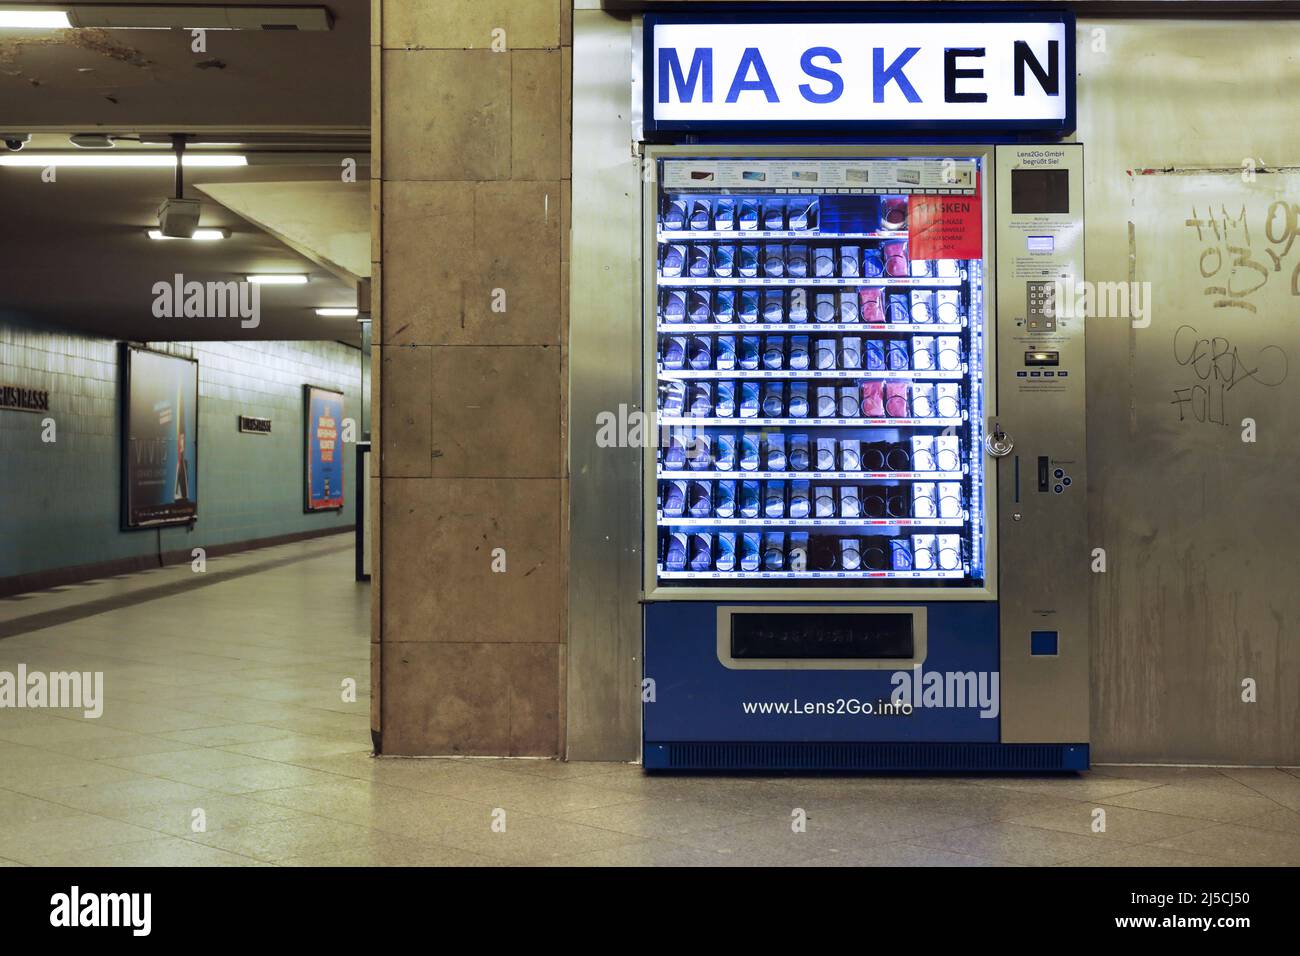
(159, 415)
(323, 488)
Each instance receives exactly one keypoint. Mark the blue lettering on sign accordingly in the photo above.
(701, 72)
(826, 85)
(882, 75)
(762, 82)
(821, 73)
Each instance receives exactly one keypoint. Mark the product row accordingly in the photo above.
(799, 499)
(773, 451)
(748, 306)
(726, 353)
(776, 260)
(777, 398)
(798, 551)
(770, 213)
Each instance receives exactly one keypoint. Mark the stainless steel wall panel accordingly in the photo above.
(604, 647)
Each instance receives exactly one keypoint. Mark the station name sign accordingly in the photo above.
(1009, 73)
(255, 426)
(21, 399)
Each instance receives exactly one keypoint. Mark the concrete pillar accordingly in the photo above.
(471, 213)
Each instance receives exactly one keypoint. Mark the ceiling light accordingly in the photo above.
(200, 16)
(155, 139)
(34, 20)
(337, 313)
(122, 160)
(200, 235)
(279, 279)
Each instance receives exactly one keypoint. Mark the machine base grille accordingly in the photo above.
(864, 756)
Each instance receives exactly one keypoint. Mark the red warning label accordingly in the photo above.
(945, 227)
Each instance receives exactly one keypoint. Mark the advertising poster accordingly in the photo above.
(160, 439)
(324, 449)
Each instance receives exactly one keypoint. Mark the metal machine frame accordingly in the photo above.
(1045, 698)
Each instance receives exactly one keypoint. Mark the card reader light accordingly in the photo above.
(1042, 358)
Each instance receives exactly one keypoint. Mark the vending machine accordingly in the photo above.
(864, 520)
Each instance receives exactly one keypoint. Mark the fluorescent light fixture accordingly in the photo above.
(266, 279)
(200, 235)
(204, 16)
(121, 160)
(34, 20)
(337, 313)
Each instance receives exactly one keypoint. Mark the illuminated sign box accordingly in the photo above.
(985, 72)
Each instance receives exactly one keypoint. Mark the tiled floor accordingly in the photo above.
(225, 741)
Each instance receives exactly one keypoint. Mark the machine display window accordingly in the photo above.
(815, 636)
(819, 388)
(1040, 191)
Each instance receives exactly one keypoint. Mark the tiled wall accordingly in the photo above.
(61, 499)
(472, 207)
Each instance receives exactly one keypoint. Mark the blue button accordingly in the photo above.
(1058, 489)
(1043, 643)
(1062, 374)
(1048, 374)
(1035, 374)
(1058, 473)
(1065, 481)
(1021, 374)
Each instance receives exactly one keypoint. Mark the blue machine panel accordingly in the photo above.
(697, 698)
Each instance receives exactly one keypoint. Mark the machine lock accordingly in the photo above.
(997, 442)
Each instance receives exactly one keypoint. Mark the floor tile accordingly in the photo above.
(166, 764)
(34, 779)
(1239, 844)
(127, 745)
(901, 854)
(106, 797)
(249, 778)
(1287, 821)
(657, 818)
(546, 797)
(33, 842)
(771, 843)
(17, 809)
(1012, 843)
(527, 839)
(226, 734)
(295, 749)
(393, 852)
(1088, 786)
(1206, 803)
(644, 853)
(1202, 778)
(220, 811)
(1121, 824)
(381, 808)
(277, 840)
(1128, 855)
(168, 851)
(1277, 785)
